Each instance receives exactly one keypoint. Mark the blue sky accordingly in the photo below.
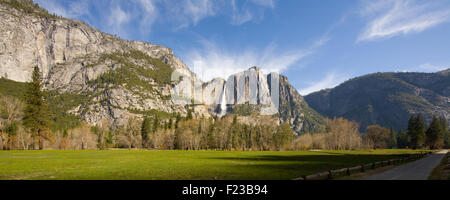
(316, 44)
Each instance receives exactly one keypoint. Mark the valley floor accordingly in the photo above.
(176, 165)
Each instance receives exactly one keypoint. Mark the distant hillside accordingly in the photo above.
(388, 99)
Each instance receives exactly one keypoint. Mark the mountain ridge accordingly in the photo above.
(386, 98)
(112, 78)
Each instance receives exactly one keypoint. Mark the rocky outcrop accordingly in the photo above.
(252, 92)
(73, 55)
(118, 79)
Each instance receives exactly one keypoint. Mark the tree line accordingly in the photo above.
(434, 136)
(26, 126)
(341, 135)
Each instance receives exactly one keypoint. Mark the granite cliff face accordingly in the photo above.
(253, 92)
(387, 99)
(114, 79)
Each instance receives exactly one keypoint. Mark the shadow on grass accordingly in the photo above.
(293, 166)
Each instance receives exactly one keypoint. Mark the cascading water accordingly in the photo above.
(223, 102)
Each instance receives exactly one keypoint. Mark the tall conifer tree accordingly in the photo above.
(36, 113)
(419, 133)
(435, 134)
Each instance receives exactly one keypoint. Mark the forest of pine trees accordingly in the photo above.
(434, 136)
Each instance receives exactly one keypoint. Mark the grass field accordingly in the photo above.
(175, 165)
(442, 172)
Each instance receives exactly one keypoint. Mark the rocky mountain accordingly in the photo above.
(98, 76)
(388, 99)
(252, 92)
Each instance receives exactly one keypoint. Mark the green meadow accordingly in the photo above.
(180, 165)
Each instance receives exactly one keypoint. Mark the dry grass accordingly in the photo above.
(442, 172)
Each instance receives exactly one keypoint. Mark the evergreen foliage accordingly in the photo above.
(402, 139)
(283, 135)
(146, 129)
(416, 131)
(435, 134)
(392, 139)
(36, 113)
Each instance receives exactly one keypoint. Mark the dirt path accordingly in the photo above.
(417, 170)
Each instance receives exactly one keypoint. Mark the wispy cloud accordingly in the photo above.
(183, 14)
(116, 20)
(74, 10)
(110, 16)
(426, 67)
(250, 10)
(239, 17)
(211, 61)
(432, 68)
(331, 80)
(265, 3)
(148, 15)
(115, 16)
(389, 18)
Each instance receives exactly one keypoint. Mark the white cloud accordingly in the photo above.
(241, 18)
(191, 12)
(212, 61)
(76, 8)
(188, 12)
(115, 16)
(111, 16)
(432, 68)
(198, 9)
(265, 3)
(116, 19)
(238, 17)
(427, 67)
(148, 16)
(390, 18)
(331, 80)
(249, 12)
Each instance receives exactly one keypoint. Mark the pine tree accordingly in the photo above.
(402, 139)
(283, 135)
(145, 131)
(392, 139)
(155, 124)
(416, 131)
(435, 134)
(446, 132)
(235, 133)
(411, 131)
(411, 124)
(36, 113)
(11, 131)
(420, 135)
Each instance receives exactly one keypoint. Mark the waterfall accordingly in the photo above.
(223, 102)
